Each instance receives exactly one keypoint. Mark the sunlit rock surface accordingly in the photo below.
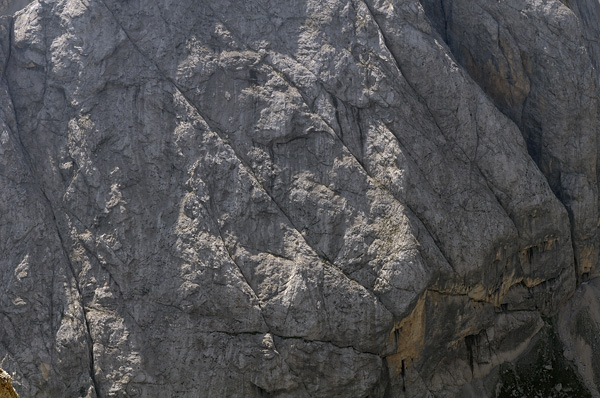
(294, 198)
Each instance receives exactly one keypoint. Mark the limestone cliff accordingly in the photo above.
(307, 198)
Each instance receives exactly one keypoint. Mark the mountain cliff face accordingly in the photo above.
(359, 198)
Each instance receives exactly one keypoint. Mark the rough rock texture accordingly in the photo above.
(530, 59)
(579, 327)
(6, 389)
(294, 198)
(9, 7)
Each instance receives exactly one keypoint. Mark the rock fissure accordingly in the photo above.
(9, 44)
(472, 162)
(89, 335)
(233, 260)
(212, 125)
(27, 161)
(357, 158)
(310, 199)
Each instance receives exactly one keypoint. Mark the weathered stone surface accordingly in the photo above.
(291, 199)
(9, 7)
(6, 388)
(579, 327)
(530, 59)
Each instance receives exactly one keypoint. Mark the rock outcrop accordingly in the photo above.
(295, 198)
(6, 389)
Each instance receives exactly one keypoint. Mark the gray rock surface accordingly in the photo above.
(579, 327)
(529, 57)
(9, 7)
(294, 198)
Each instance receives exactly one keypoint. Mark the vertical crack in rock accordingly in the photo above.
(9, 47)
(26, 158)
(50, 207)
(519, 69)
(424, 102)
(83, 307)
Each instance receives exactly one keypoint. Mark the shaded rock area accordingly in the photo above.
(311, 198)
(579, 328)
(9, 7)
(542, 372)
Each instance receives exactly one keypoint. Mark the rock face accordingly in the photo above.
(6, 389)
(293, 198)
(579, 328)
(9, 7)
